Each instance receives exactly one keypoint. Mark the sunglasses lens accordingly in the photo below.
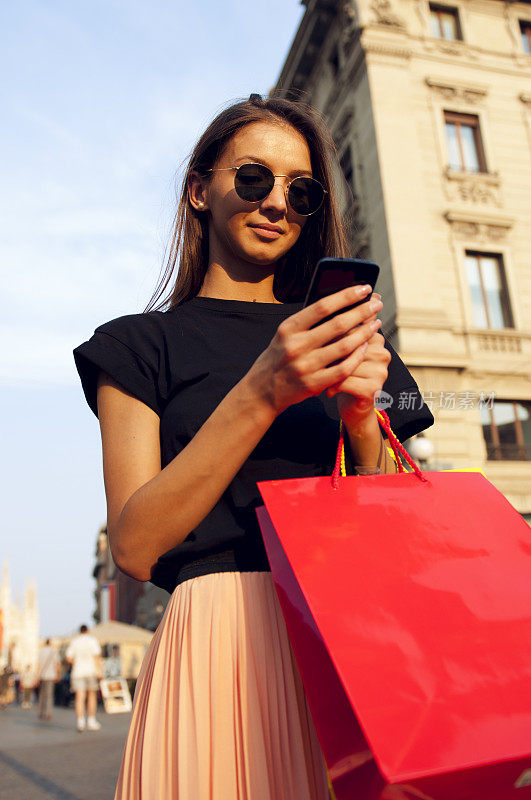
(305, 195)
(253, 182)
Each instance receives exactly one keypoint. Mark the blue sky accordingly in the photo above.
(104, 101)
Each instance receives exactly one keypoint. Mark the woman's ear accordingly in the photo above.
(197, 192)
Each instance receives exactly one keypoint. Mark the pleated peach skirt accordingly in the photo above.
(219, 711)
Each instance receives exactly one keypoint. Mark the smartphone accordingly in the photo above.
(334, 274)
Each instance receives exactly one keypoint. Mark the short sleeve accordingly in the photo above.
(406, 409)
(131, 350)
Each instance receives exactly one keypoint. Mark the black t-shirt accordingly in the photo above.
(182, 363)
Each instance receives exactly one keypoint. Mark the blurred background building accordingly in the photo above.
(121, 598)
(430, 108)
(19, 625)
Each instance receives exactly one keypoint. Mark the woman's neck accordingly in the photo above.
(219, 283)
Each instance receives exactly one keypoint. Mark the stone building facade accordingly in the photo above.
(430, 108)
(120, 597)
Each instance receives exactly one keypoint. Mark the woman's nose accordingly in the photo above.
(277, 197)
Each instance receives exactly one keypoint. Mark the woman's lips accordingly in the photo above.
(266, 232)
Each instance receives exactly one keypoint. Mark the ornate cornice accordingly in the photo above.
(481, 219)
(457, 90)
(384, 14)
(482, 227)
(387, 49)
(454, 47)
(478, 188)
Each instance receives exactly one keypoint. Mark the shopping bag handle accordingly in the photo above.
(396, 446)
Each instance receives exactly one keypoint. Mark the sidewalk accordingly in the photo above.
(53, 761)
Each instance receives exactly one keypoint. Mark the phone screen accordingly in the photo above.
(331, 280)
(334, 274)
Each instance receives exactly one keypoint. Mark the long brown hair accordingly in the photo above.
(322, 235)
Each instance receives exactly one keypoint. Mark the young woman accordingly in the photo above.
(233, 383)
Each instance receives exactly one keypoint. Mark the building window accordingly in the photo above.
(444, 22)
(488, 291)
(347, 168)
(463, 138)
(333, 60)
(525, 30)
(507, 430)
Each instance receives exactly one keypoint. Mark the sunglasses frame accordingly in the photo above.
(286, 189)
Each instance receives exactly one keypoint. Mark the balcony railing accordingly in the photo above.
(508, 452)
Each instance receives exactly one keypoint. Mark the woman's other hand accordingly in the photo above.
(356, 394)
(307, 356)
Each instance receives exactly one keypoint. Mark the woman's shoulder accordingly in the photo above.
(140, 323)
(153, 325)
(131, 349)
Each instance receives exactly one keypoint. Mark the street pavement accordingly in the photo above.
(53, 761)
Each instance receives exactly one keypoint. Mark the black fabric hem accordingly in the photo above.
(205, 570)
(92, 356)
(167, 576)
(243, 306)
(406, 422)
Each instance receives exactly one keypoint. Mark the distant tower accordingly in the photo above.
(19, 643)
(5, 612)
(30, 623)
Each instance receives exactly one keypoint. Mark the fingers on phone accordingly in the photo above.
(348, 352)
(343, 325)
(360, 331)
(338, 372)
(332, 303)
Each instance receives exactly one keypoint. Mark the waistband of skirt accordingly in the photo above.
(227, 560)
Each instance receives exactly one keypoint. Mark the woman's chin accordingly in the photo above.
(264, 255)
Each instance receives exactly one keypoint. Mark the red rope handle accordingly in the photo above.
(396, 452)
(396, 445)
(337, 466)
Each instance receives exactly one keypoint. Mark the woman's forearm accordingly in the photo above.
(161, 514)
(368, 447)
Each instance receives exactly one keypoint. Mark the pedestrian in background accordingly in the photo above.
(48, 673)
(84, 653)
(27, 681)
(7, 687)
(63, 689)
(113, 664)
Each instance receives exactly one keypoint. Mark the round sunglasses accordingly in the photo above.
(253, 182)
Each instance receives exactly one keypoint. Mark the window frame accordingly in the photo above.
(495, 451)
(472, 121)
(505, 300)
(439, 9)
(525, 34)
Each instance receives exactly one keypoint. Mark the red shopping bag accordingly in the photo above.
(407, 600)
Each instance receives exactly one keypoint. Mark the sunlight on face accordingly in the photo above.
(234, 229)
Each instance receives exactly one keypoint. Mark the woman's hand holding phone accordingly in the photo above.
(355, 395)
(307, 356)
